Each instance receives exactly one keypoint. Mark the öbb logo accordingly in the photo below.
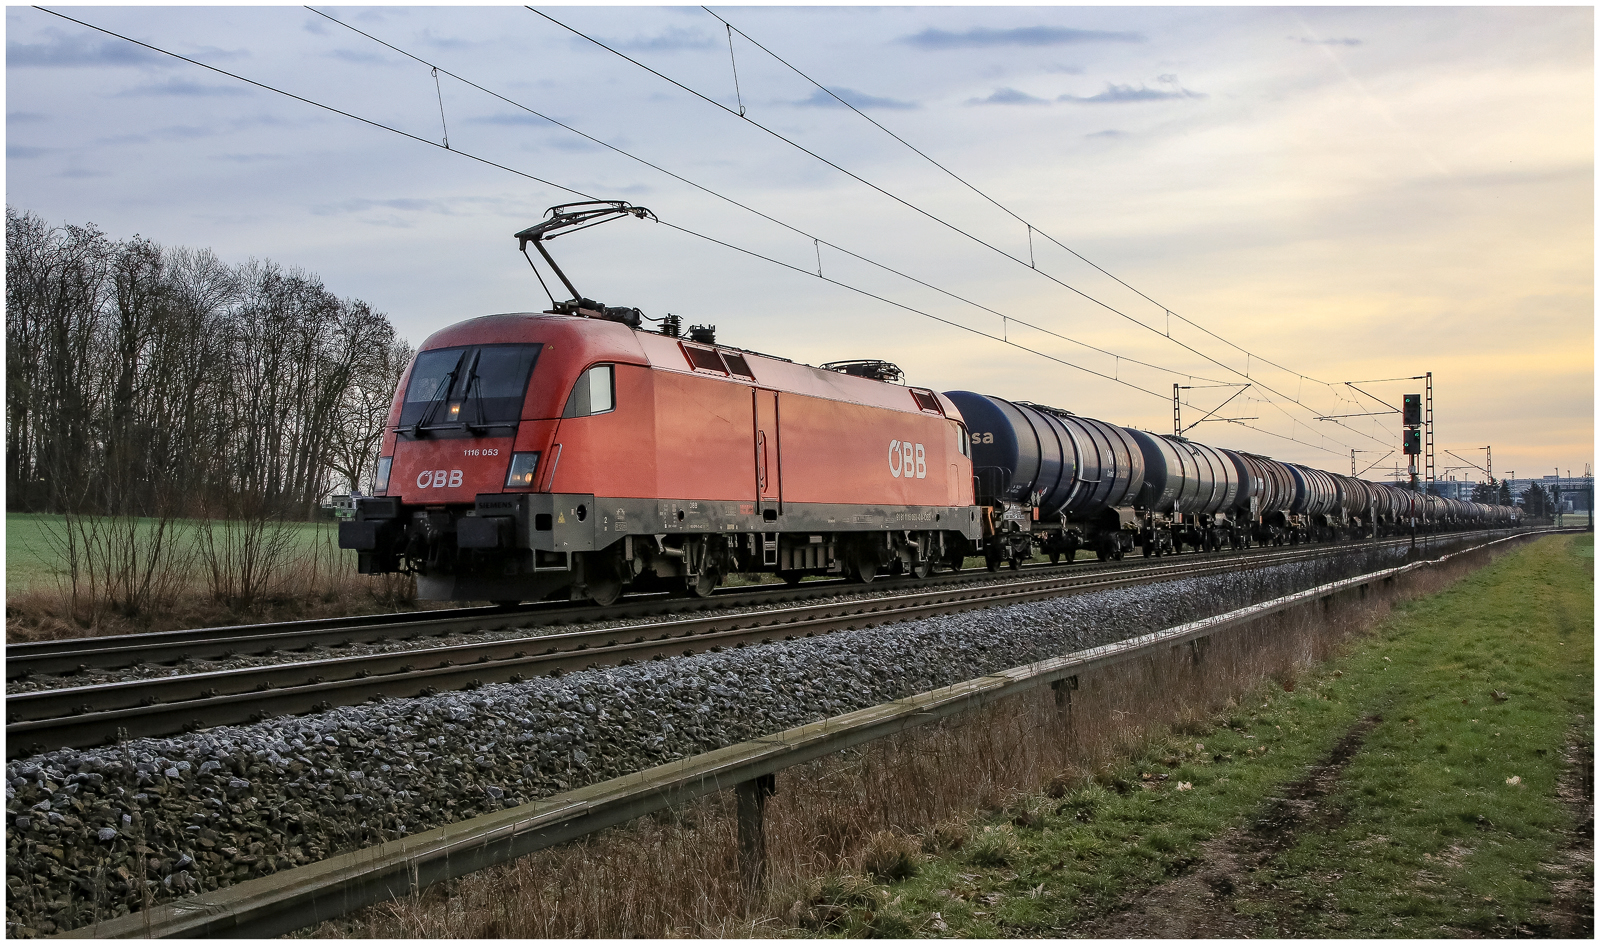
(907, 460)
(438, 479)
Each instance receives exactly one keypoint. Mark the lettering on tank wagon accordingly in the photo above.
(439, 479)
(978, 439)
(907, 460)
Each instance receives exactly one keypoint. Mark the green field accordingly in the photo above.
(34, 560)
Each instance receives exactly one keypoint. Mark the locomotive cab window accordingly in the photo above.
(594, 393)
(470, 386)
(962, 429)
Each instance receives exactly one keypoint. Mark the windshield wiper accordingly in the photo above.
(422, 425)
(475, 390)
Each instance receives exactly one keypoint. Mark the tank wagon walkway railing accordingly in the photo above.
(296, 898)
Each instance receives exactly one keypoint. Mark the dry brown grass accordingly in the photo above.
(676, 873)
(302, 582)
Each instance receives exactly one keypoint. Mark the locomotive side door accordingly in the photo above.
(768, 452)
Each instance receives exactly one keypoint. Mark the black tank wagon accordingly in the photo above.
(1057, 482)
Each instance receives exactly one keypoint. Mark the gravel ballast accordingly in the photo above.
(94, 833)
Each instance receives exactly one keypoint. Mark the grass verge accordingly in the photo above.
(1419, 786)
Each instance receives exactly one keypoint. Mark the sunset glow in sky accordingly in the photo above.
(1332, 194)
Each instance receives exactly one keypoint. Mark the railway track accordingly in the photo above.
(84, 716)
(71, 656)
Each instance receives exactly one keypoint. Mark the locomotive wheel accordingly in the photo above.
(1055, 557)
(922, 570)
(791, 578)
(505, 603)
(955, 560)
(701, 585)
(861, 566)
(993, 564)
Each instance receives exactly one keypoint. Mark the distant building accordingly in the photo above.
(1576, 491)
(1454, 489)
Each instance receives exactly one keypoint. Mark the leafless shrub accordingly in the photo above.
(126, 565)
(243, 543)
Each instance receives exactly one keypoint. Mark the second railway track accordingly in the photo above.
(66, 657)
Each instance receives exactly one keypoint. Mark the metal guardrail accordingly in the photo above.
(292, 899)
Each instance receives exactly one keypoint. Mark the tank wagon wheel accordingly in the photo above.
(1055, 557)
(791, 578)
(955, 560)
(1016, 564)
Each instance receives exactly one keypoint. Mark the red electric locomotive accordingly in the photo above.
(570, 452)
(526, 454)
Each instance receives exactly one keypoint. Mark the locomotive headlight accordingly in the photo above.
(523, 466)
(380, 482)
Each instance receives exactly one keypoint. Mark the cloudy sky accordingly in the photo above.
(1316, 195)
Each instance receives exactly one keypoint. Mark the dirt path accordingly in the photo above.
(1204, 901)
(1571, 911)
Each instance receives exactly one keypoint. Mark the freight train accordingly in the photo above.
(572, 453)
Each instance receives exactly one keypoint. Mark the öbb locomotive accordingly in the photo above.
(572, 453)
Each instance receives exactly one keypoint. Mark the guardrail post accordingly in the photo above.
(752, 802)
(1197, 649)
(1063, 689)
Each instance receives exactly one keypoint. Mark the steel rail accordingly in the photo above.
(70, 656)
(83, 716)
(57, 657)
(296, 898)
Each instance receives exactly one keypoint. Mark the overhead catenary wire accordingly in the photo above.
(1031, 259)
(473, 157)
(975, 331)
(903, 202)
(817, 241)
(316, 104)
(1000, 206)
